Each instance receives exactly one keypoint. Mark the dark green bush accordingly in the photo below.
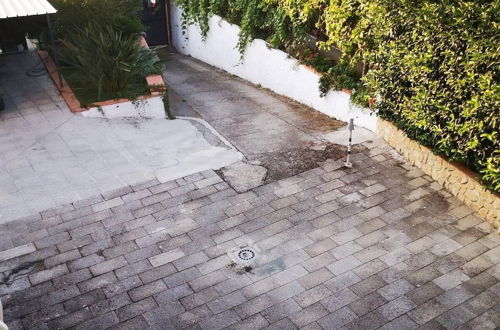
(436, 75)
(101, 63)
(121, 15)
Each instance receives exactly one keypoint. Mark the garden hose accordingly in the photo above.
(37, 70)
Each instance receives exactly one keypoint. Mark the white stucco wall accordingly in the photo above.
(271, 68)
(148, 108)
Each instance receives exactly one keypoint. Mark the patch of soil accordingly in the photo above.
(281, 165)
(311, 120)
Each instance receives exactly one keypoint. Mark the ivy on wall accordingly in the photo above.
(431, 67)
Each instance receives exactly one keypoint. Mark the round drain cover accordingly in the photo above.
(246, 254)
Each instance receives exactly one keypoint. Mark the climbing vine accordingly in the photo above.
(431, 67)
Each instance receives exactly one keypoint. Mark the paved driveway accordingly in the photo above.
(51, 157)
(379, 245)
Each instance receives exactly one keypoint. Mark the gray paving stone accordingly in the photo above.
(256, 321)
(401, 323)
(139, 267)
(312, 296)
(395, 289)
(337, 319)
(370, 268)
(232, 284)
(72, 278)
(487, 320)
(166, 257)
(147, 290)
(455, 317)
(454, 297)
(341, 282)
(344, 265)
(315, 278)
(368, 285)
(108, 266)
(379, 245)
(102, 321)
(285, 324)
(367, 303)
(71, 319)
(181, 277)
(220, 321)
(136, 323)
(97, 282)
(396, 308)
(46, 275)
(226, 302)
(451, 280)
(252, 306)
(339, 299)
(287, 291)
(427, 311)
(308, 315)
(371, 320)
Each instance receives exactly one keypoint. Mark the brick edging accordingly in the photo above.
(458, 179)
(64, 89)
(156, 84)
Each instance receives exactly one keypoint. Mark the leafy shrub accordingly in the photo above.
(107, 63)
(257, 19)
(436, 75)
(433, 65)
(121, 15)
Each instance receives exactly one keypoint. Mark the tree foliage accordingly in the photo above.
(121, 15)
(432, 66)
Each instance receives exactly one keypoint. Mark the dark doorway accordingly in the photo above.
(155, 20)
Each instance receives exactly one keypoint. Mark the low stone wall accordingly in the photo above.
(457, 179)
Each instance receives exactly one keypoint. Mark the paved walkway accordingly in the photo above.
(380, 245)
(254, 120)
(50, 157)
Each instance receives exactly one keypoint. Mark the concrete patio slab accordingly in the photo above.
(50, 157)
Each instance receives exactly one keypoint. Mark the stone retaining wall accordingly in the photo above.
(460, 181)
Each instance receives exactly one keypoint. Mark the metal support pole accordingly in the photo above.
(52, 52)
(168, 9)
(349, 147)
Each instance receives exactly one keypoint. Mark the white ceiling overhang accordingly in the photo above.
(22, 8)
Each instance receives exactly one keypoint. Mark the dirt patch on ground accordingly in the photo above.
(311, 120)
(281, 165)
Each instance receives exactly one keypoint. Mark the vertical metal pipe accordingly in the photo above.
(349, 147)
(168, 10)
(52, 52)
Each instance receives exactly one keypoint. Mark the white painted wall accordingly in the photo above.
(148, 108)
(271, 68)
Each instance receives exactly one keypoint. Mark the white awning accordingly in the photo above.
(20, 8)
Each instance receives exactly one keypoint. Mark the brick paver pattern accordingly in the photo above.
(378, 245)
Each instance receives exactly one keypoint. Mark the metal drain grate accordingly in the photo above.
(246, 254)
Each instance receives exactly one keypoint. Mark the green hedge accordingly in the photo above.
(436, 74)
(121, 15)
(432, 65)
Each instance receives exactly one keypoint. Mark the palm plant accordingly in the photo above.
(106, 61)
